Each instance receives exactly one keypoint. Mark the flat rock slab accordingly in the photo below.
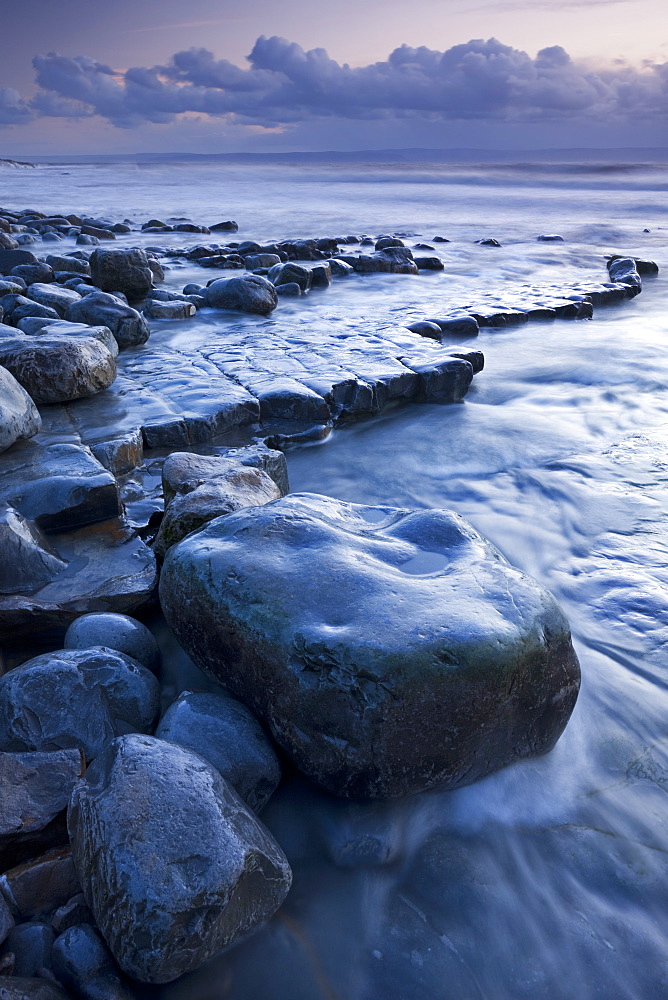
(388, 650)
(108, 568)
(35, 788)
(172, 863)
(41, 884)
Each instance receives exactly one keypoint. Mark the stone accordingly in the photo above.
(321, 276)
(488, 242)
(290, 273)
(426, 328)
(54, 296)
(60, 262)
(16, 307)
(11, 258)
(53, 368)
(339, 268)
(383, 242)
(624, 271)
(240, 486)
(429, 264)
(75, 698)
(18, 988)
(32, 273)
(170, 895)
(31, 944)
(19, 417)
(388, 650)
(289, 290)
(35, 788)
(550, 238)
(392, 260)
(458, 326)
(6, 919)
(84, 965)
(102, 309)
(155, 309)
(183, 472)
(120, 632)
(222, 730)
(63, 328)
(83, 239)
(74, 911)
(254, 261)
(7, 242)
(249, 293)
(109, 568)
(40, 885)
(224, 227)
(126, 271)
(99, 234)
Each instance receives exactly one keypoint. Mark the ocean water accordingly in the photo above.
(548, 879)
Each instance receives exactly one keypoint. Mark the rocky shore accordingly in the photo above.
(381, 651)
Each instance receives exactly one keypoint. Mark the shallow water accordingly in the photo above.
(546, 880)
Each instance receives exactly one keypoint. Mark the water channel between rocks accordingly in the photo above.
(547, 879)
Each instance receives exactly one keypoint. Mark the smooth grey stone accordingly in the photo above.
(162, 295)
(248, 293)
(120, 632)
(224, 227)
(19, 417)
(20, 306)
(194, 289)
(52, 295)
(289, 290)
(57, 369)
(79, 698)
(183, 472)
(321, 276)
(68, 263)
(11, 286)
(290, 273)
(84, 239)
(155, 309)
(429, 264)
(339, 268)
(51, 237)
(32, 273)
(97, 232)
(388, 650)
(7, 242)
(74, 911)
(550, 238)
(25, 239)
(101, 309)
(426, 328)
(237, 487)
(40, 885)
(31, 944)
(127, 271)
(84, 965)
(18, 988)
(458, 326)
(156, 268)
(63, 328)
(488, 242)
(172, 894)
(226, 733)
(392, 260)
(254, 261)
(35, 788)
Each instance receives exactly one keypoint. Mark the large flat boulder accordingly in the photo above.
(102, 309)
(55, 368)
(172, 863)
(388, 650)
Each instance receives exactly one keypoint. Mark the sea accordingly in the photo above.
(549, 879)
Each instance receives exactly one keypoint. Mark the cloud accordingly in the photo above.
(284, 84)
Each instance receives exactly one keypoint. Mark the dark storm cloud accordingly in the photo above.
(284, 84)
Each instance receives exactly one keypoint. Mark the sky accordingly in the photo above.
(214, 76)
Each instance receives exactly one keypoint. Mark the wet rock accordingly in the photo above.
(248, 293)
(53, 296)
(120, 632)
(59, 486)
(7, 242)
(126, 271)
(383, 242)
(35, 788)
(74, 911)
(392, 260)
(19, 417)
(222, 730)
(426, 328)
(388, 650)
(290, 273)
(224, 227)
(40, 885)
(31, 944)
(109, 569)
(102, 309)
(155, 309)
(6, 918)
(83, 239)
(99, 234)
(183, 472)
(32, 273)
(550, 238)
(18, 988)
(257, 260)
(11, 258)
(239, 486)
(429, 264)
(339, 268)
(321, 276)
(488, 242)
(171, 895)
(17, 307)
(56, 369)
(291, 290)
(65, 263)
(84, 965)
(63, 328)
(624, 271)
(458, 326)
(79, 698)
